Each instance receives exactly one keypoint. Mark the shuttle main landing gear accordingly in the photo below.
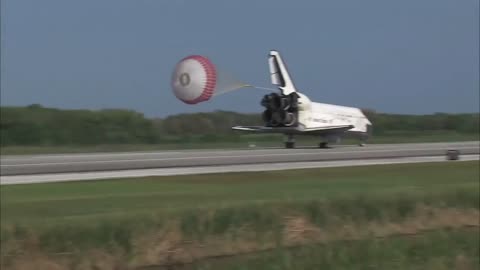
(290, 141)
(363, 141)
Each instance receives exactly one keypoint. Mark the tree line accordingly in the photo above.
(37, 125)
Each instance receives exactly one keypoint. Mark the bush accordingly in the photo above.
(38, 126)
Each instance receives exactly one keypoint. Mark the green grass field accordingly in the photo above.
(162, 220)
(52, 202)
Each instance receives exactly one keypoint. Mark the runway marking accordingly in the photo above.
(216, 157)
(64, 177)
(101, 155)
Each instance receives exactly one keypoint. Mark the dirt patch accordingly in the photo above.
(299, 229)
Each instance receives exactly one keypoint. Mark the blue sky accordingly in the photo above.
(411, 56)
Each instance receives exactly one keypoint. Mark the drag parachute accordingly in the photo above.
(194, 79)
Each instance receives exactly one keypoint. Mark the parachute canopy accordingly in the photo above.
(194, 79)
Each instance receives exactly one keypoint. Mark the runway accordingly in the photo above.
(108, 162)
(67, 177)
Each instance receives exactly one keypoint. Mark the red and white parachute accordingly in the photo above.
(194, 79)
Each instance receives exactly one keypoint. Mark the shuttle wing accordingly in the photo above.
(294, 130)
(263, 129)
(339, 128)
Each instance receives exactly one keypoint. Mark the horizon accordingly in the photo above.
(210, 112)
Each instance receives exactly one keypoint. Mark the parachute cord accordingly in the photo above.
(259, 87)
(227, 90)
(265, 88)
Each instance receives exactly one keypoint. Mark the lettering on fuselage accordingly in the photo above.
(329, 121)
(318, 120)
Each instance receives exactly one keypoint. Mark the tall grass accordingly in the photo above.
(437, 250)
(257, 225)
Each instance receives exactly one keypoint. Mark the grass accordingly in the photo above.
(157, 220)
(436, 250)
(237, 142)
(53, 202)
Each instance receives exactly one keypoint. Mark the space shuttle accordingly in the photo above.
(292, 113)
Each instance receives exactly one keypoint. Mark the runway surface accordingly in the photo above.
(76, 163)
(67, 177)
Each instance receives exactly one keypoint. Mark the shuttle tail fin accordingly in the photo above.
(279, 73)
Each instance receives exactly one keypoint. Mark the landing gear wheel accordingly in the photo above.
(289, 144)
(323, 145)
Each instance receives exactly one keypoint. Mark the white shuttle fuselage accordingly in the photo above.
(293, 113)
(316, 115)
